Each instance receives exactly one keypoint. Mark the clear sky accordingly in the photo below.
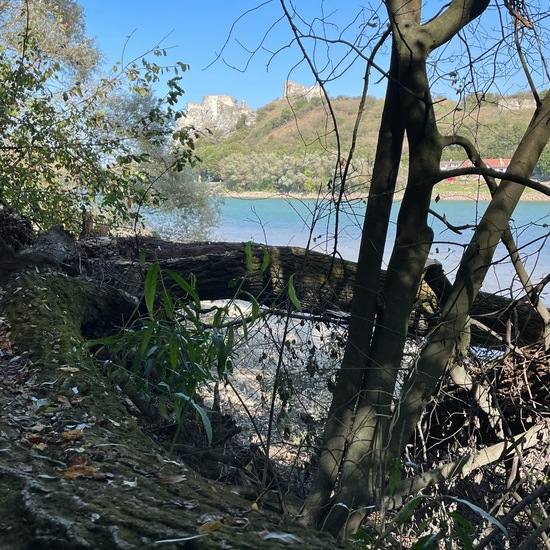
(245, 55)
(196, 31)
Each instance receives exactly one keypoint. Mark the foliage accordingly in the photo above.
(432, 519)
(169, 350)
(543, 166)
(170, 181)
(270, 171)
(56, 28)
(298, 131)
(63, 145)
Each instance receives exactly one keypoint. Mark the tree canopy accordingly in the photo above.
(72, 138)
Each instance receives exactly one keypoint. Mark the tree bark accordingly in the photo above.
(473, 268)
(76, 470)
(326, 283)
(365, 303)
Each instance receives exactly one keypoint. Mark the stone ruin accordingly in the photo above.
(295, 91)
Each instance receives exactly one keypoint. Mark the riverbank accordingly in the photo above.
(465, 194)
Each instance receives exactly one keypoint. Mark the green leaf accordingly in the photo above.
(107, 341)
(151, 281)
(265, 260)
(463, 536)
(362, 535)
(292, 293)
(395, 474)
(174, 353)
(168, 305)
(163, 409)
(184, 285)
(145, 336)
(486, 516)
(408, 510)
(248, 256)
(205, 420)
(427, 542)
(460, 519)
(253, 303)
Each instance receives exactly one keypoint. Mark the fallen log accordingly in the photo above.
(323, 283)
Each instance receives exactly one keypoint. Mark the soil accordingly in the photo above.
(76, 468)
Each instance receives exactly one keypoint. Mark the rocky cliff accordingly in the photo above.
(295, 90)
(217, 113)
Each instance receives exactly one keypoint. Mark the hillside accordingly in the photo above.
(291, 143)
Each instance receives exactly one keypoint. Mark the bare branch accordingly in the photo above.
(464, 465)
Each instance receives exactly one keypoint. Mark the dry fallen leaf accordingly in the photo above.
(283, 537)
(255, 506)
(35, 439)
(73, 435)
(78, 460)
(210, 517)
(238, 522)
(171, 479)
(80, 470)
(69, 369)
(130, 483)
(210, 526)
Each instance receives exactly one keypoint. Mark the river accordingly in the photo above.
(278, 221)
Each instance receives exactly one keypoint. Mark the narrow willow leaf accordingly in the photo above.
(168, 305)
(151, 281)
(482, 513)
(253, 303)
(427, 542)
(144, 345)
(463, 536)
(205, 420)
(174, 352)
(408, 510)
(395, 474)
(292, 294)
(248, 256)
(265, 260)
(142, 256)
(459, 518)
(189, 288)
(163, 409)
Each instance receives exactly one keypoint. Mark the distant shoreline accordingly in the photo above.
(528, 196)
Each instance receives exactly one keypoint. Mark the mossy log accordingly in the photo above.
(323, 283)
(76, 470)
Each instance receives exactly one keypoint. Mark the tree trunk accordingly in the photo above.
(326, 283)
(473, 268)
(364, 305)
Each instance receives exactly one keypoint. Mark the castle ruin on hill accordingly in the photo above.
(217, 113)
(222, 113)
(294, 90)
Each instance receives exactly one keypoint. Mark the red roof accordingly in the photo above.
(497, 164)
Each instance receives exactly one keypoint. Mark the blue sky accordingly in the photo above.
(197, 31)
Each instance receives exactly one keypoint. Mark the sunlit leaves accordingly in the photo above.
(62, 145)
(171, 350)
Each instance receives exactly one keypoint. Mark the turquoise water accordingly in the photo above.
(287, 222)
(294, 222)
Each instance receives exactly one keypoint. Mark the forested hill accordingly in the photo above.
(291, 144)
